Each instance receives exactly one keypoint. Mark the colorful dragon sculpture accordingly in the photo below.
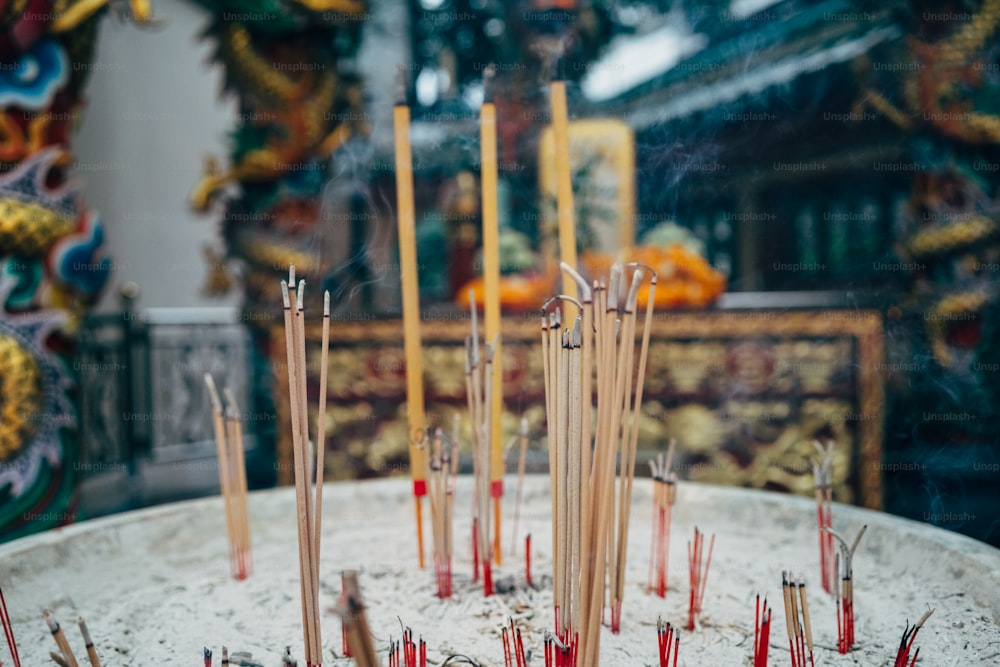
(51, 262)
(947, 102)
(283, 61)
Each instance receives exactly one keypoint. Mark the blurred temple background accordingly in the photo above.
(815, 180)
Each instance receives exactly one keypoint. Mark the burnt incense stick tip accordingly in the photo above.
(300, 298)
(614, 287)
(586, 294)
(213, 393)
(286, 300)
(208, 653)
(87, 642)
(650, 270)
(291, 274)
(923, 619)
(51, 622)
(489, 83)
(633, 293)
(326, 303)
(400, 87)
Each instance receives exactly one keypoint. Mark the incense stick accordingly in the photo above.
(698, 576)
(668, 642)
(823, 477)
(491, 284)
(238, 490)
(60, 639)
(845, 610)
(8, 631)
(351, 609)
(294, 315)
(761, 633)
(521, 463)
(225, 482)
(664, 497)
(406, 230)
(906, 643)
(88, 643)
(321, 427)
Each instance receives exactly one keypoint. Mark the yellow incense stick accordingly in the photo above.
(406, 221)
(564, 181)
(491, 307)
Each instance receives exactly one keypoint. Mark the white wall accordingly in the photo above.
(153, 112)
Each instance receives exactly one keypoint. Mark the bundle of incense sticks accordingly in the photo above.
(698, 576)
(797, 622)
(65, 655)
(761, 633)
(479, 396)
(557, 653)
(351, 609)
(664, 497)
(513, 646)
(823, 477)
(232, 478)
(587, 550)
(308, 511)
(442, 468)
(8, 631)
(845, 594)
(906, 643)
(668, 641)
(408, 653)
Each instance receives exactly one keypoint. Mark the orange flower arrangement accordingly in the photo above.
(684, 278)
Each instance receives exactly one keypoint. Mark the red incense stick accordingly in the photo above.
(698, 576)
(906, 643)
(8, 631)
(761, 633)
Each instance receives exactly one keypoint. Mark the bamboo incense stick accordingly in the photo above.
(806, 622)
(324, 364)
(58, 659)
(491, 306)
(236, 463)
(846, 601)
(521, 464)
(88, 643)
(60, 639)
(352, 609)
(406, 223)
(225, 483)
(564, 180)
(8, 631)
(312, 567)
(823, 476)
(293, 303)
(630, 436)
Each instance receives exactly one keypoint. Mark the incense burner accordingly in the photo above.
(155, 585)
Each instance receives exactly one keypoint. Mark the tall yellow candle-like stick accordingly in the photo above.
(491, 307)
(564, 182)
(406, 220)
